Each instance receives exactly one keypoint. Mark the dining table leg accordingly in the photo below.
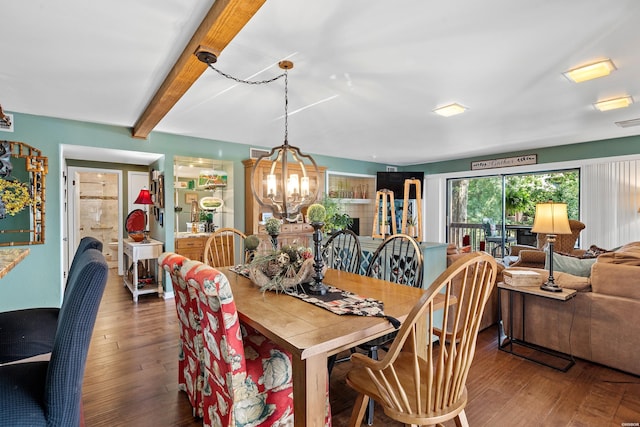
(310, 385)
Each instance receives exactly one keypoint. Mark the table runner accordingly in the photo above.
(336, 300)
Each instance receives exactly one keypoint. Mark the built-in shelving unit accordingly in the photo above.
(356, 193)
(196, 179)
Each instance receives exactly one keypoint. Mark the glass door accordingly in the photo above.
(491, 213)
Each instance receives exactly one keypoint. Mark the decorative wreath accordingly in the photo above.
(14, 197)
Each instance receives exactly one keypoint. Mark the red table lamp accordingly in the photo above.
(144, 198)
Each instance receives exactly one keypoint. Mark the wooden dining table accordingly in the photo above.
(311, 334)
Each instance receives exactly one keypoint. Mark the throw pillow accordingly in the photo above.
(568, 264)
(594, 252)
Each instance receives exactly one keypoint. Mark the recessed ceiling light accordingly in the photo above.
(590, 71)
(450, 110)
(614, 103)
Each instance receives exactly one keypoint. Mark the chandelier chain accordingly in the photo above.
(261, 82)
(249, 82)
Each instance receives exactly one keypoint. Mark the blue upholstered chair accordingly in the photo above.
(30, 332)
(49, 393)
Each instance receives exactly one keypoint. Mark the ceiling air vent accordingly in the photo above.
(392, 169)
(254, 153)
(629, 123)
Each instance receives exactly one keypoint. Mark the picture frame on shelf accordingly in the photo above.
(190, 197)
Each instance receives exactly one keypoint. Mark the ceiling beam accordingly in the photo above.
(224, 20)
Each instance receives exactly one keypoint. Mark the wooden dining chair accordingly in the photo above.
(342, 252)
(221, 247)
(429, 389)
(398, 259)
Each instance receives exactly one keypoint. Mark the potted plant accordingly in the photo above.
(411, 226)
(272, 226)
(335, 219)
(516, 202)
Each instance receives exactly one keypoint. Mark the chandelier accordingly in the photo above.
(287, 188)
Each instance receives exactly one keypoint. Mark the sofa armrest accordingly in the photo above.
(515, 249)
(531, 259)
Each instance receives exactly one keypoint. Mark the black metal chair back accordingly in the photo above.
(398, 259)
(342, 252)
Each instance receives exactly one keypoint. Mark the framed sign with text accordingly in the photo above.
(527, 159)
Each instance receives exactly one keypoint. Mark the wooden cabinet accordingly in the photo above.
(290, 234)
(253, 211)
(191, 247)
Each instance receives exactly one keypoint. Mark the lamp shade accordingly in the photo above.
(144, 198)
(551, 218)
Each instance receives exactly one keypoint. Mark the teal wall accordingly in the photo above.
(35, 282)
(585, 150)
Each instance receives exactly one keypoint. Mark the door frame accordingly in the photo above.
(73, 197)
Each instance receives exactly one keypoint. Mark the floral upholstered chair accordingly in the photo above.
(190, 373)
(248, 378)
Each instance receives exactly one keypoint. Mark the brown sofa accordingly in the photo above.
(490, 315)
(601, 323)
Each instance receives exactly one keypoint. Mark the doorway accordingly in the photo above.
(95, 209)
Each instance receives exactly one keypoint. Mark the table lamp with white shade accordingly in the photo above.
(551, 219)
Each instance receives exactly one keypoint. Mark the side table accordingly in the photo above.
(138, 251)
(532, 352)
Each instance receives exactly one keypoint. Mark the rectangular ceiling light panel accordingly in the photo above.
(450, 110)
(613, 104)
(591, 71)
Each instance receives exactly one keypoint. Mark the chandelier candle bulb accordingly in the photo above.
(271, 185)
(304, 186)
(294, 189)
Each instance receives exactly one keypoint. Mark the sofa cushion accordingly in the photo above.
(628, 254)
(572, 265)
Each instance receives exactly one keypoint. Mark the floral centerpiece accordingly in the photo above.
(281, 269)
(14, 197)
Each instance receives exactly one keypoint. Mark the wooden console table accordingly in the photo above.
(534, 353)
(9, 258)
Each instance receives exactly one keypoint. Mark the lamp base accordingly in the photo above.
(551, 287)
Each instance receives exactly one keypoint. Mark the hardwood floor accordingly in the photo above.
(131, 378)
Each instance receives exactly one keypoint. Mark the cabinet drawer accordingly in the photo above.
(149, 251)
(190, 243)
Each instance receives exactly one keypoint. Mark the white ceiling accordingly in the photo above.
(367, 74)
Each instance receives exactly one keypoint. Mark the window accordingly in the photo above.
(503, 206)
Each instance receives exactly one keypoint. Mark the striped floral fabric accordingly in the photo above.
(190, 372)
